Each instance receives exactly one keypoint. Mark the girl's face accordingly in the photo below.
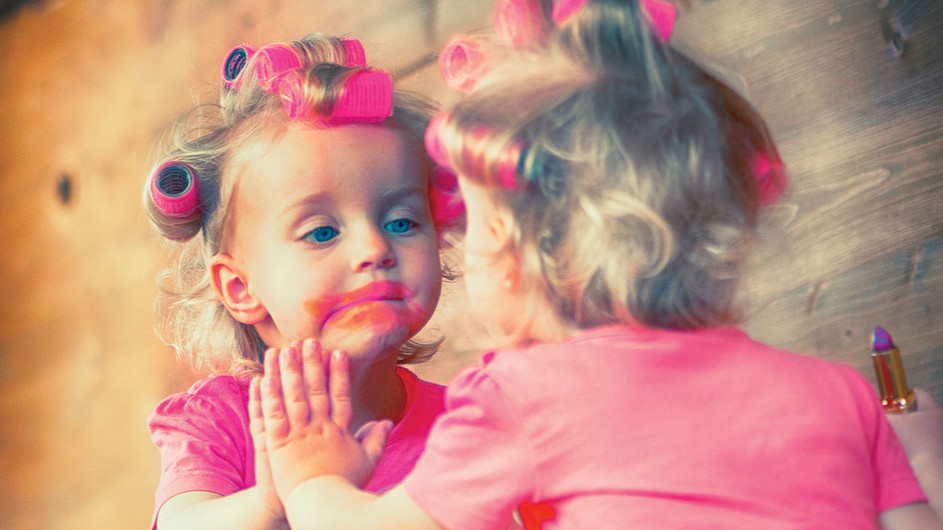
(332, 239)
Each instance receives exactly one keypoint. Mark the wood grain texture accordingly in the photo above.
(89, 84)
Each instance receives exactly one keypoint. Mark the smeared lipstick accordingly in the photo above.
(896, 396)
(383, 290)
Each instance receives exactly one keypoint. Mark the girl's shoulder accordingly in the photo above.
(215, 395)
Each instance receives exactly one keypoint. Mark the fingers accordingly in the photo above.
(315, 379)
(256, 419)
(372, 437)
(341, 409)
(293, 386)
(275, 421)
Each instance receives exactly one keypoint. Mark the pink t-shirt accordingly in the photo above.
(635, 428)
(205, 444)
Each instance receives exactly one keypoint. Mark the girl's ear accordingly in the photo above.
(500, 227)
(232, 289)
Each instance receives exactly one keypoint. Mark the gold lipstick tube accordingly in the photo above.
(896, 396)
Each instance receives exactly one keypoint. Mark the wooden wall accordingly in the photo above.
(88, 84)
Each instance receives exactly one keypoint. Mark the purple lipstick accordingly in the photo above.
(896, 396)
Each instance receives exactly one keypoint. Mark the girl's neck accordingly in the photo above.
(376, 391)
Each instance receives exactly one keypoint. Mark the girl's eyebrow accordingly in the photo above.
(293, 210)
(397, 194)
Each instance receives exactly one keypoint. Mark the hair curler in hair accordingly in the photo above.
(367, 98)
(475, 149)
(174, 190)
(445, 199)
(518, 22)
(234, 64)
(474, 152)
(662, 17)
(661, 14)
(273, 62)
(433, 140)
(290, 88)
(354, 54)
(564, 9)
(462, 63)
(770, 177)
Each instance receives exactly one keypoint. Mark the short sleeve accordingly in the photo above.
(473, 472)
(896, 484)
(203, 439)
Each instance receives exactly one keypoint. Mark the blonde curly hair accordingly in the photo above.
(635, 199)
(191, 318)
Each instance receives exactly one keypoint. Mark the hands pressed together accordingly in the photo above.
(300, 417)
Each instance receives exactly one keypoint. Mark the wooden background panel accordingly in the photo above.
(89, 84)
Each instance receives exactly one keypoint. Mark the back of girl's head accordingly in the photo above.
(194, 322)
(633, 196)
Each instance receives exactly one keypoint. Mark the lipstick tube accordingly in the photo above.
(896, 396)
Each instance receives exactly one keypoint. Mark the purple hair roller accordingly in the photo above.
(367, 98)
(354, 54)
(272, 62)
(174, 190)
(234, 64)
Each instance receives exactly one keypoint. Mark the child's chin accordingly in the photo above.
(380, 338)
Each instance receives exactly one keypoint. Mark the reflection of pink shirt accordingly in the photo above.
(633, 428)
(205, 444)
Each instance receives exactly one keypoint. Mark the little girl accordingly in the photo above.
(304, 206)
(613, 191)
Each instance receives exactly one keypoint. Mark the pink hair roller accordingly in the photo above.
(564, 9)
(445, 199)
(234, 64)
(290, 88)
(660, 12)
(662, 17)
(434, 140)
(506, 166)
(272, 62)
(462, 63)
(367, 97)
(518, 22)
(354, 54)
(770, 177)
(173, 190)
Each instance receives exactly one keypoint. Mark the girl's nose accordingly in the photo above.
(373, 252)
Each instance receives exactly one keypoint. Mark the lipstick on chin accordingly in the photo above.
(896, 396)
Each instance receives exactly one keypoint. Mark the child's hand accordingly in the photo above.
(921, 431)
(263, 474)
(307, 423)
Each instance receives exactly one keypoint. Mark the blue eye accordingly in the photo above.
(399, 226)
(321, 234)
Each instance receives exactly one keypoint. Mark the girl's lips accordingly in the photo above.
(377, 291)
